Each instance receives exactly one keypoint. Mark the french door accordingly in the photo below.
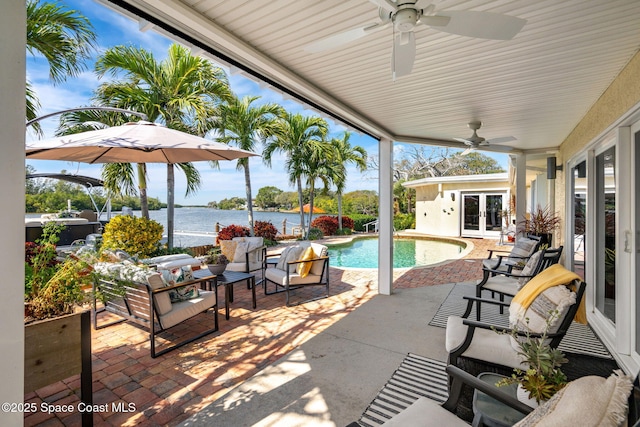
(482, 214)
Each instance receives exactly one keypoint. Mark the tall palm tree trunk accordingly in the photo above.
(301, 204)
(142, 186)
(339, 211)
(171, 182)
(247, 185)
(311, 194)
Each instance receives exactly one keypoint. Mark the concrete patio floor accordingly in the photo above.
(319, 363)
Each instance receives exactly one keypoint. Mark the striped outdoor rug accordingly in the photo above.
(417, 376)
(579, 339)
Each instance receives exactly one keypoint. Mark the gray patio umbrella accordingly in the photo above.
(135, 142)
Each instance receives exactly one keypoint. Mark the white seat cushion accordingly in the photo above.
(425, 413)
(280, 277)
(241, 266)
(163, 302)
(185, 309)
(503, 284)
(486, 345)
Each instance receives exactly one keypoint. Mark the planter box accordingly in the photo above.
(56, 349)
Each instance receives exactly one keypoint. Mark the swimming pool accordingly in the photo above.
(407, 252)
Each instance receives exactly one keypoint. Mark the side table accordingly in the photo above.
(490, 412)
(230, 278)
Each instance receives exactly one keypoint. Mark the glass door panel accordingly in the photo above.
(471, 212)
(494, 208)
(578, 178)
(606, 233)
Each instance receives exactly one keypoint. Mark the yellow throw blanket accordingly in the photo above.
(553, 276)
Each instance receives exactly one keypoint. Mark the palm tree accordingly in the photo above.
(181, 91)
(64, 37)
(344, 153)
(296, 136)
(320, 164)
(241, 124)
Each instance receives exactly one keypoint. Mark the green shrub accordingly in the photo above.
(360, 220)
(315, 234)
(404, 221)
(343, 232)
(138, 236)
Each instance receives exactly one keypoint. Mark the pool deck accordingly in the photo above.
(170, 389)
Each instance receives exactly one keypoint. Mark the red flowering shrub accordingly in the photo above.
(231, 231)
(265, 229)
(347, 223)
(328, 224)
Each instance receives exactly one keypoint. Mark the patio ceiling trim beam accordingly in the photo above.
(451, 144)
(187, 25)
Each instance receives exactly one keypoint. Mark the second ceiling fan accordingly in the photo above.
(475, 141)
(405, 15)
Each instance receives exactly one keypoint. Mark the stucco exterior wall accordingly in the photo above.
(438, 212)
(622, 95)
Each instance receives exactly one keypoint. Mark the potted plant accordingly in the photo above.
(544, 377)
(541, 222)
(57, 329)
(215, 260)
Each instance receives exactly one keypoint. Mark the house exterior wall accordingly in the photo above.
(438, 213)
(618, 106)
(620, 97)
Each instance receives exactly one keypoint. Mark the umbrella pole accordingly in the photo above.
(170, 204)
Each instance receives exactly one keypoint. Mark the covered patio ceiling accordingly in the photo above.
(535, 87)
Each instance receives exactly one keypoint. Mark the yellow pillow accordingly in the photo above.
(228, 248)
(305, 267)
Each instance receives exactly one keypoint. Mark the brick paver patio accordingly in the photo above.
(171, 388)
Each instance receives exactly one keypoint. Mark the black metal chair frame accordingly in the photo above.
(324, 279)
(554, 337)
(547, 259)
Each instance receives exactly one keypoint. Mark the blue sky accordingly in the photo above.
(115, 29)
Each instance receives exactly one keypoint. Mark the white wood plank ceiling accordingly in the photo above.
(535, 87)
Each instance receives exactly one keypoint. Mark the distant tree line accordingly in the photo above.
(363, 202)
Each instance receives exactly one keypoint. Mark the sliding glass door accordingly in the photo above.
(605, 221)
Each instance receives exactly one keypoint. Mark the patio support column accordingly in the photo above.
(521, 188)
(385, 217)
(12, 139)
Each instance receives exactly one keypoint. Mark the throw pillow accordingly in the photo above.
(177, 275)
(283, 257)
(184, 293)
(529, 269)
(588, 401)
(228, 248)
(304, 267)
(241, 252)
(522, 249)
(292, 254)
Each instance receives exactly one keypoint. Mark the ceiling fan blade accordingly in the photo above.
(500, 148)
(387, 5)
(502, 140)
(467, 151)
(345, 37)
(484, 25)
(463, 140)
(421, 4)
(404, 53)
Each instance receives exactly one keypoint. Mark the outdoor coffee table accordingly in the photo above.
(230, 278)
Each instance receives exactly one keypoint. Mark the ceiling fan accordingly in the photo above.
(474, 141)
(405, 15)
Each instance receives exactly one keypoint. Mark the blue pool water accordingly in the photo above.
(363, 253)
